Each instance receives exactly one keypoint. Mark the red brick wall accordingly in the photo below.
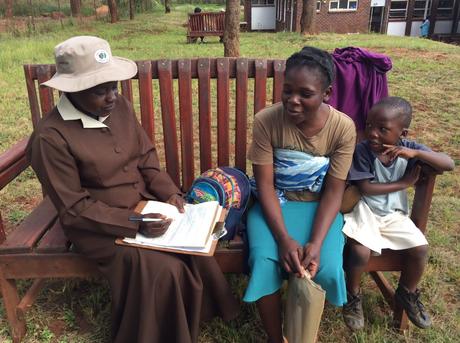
(341, 21)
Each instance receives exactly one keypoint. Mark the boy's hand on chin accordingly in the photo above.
(394, 151)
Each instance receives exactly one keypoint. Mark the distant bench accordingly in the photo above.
(205, 24)
(453, 38)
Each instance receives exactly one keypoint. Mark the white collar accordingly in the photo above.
(68, 112)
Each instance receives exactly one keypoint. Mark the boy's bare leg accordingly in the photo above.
(269, 308)
(413, 267)
(355, 263)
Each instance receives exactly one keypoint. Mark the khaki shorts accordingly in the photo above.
(394, 231)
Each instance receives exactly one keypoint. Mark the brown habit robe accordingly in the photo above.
(95, 177)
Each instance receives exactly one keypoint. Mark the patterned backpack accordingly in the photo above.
(227, 185)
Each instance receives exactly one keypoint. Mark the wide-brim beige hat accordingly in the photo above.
(83, 62)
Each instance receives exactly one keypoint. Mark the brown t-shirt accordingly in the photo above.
(336, 140)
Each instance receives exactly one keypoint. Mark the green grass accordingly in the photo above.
(424, 72)
(46, 7)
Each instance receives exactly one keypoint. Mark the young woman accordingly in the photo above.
(96, 163)
(301, 152)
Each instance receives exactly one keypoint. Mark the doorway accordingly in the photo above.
(376, 19)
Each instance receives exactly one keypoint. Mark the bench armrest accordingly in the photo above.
(13, 162)
(422, 197)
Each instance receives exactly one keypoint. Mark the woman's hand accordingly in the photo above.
(311, 256)
(152, 229)
(177, 201)
(290, 253)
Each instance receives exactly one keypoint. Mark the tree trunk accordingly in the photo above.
(95, 8)
(75, 8)
(9, 9)
(131, 9)
(113, 11)
(307, 21)
(60, 16)
(167, 6)
(232, 29)
(31, 17)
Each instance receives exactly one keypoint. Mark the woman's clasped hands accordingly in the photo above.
(160, 223)
(295, 259)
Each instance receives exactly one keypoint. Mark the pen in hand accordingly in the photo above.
(144, 219)
(151, 225)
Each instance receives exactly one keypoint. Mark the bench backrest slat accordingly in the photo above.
(127, 89)
(32, 94)
(278, 79)
(260, 85)
(46, 94)
(146, 98)
(223, 112)
(186, 121)
(169, 120)
(204, 107)
(241, 113)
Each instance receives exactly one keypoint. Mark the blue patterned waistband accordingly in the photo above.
(298, 171)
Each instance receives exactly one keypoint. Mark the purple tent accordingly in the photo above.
(360, 82)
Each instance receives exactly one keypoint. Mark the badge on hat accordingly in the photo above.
(101, 56)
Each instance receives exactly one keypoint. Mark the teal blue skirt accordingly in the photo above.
(267, 274)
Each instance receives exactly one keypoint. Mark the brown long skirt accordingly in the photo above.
(157, 296)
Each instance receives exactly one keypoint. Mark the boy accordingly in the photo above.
(384, 165)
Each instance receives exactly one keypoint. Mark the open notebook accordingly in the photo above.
(195, 231)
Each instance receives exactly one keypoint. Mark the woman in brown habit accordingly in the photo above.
(96, 163)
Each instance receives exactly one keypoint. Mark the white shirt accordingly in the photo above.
(68, 112)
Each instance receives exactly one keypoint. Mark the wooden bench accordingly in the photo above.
(198, 113)
(452, 38)
(205, 24)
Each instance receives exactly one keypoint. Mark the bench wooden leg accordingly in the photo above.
(11, 301)
(29, 298)
(385, 287)
(400, 320)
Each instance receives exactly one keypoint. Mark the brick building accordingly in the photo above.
(355, 18)
(392, 17)
(340, 16)
(404, 17)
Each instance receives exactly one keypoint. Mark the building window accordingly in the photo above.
(445, 9)
(398, 9)
(342, 5)
(421, 9)
(318, 6)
